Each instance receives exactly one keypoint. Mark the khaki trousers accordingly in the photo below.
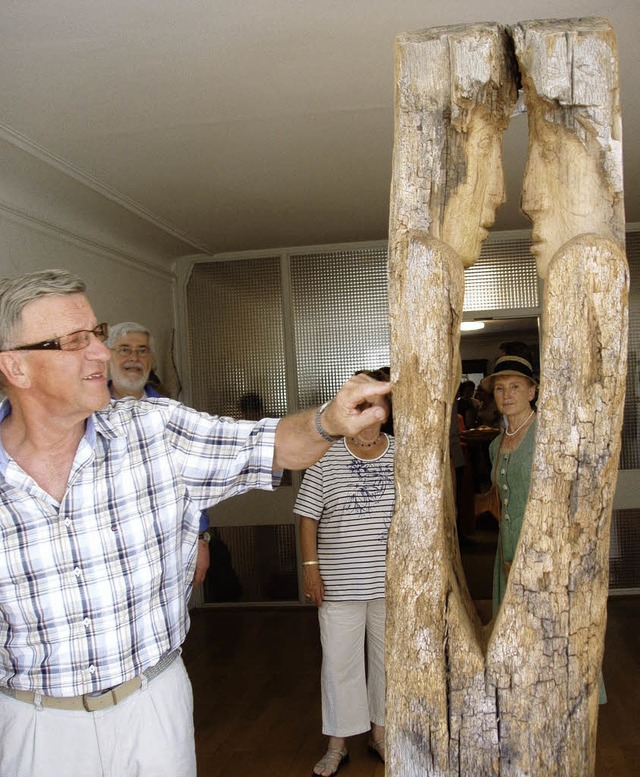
(149, 734)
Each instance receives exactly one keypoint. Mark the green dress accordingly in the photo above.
(512, 476)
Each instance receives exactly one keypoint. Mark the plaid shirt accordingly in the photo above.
(92, 589)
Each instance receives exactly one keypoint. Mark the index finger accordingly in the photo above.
(364, 387)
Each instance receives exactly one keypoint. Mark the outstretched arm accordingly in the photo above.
(298, 442)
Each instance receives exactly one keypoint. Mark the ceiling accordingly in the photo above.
(525, 328)
(208, 126)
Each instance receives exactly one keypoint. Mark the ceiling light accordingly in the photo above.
(471, 326)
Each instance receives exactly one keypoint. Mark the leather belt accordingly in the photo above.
(89, 702)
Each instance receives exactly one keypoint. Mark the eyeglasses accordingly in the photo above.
(127, 351)
(75, 341)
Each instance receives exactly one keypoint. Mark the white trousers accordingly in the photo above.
(351, 698)
(149, 734)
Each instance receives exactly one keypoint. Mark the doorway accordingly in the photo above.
(477, 525)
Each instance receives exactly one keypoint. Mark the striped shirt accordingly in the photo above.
(353, 500)
(92, 588)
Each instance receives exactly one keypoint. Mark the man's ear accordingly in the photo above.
(14, 369)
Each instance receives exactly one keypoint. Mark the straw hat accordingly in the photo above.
(509, 365)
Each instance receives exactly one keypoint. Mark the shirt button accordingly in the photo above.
(87, 622)
(92, 669)
(503, 471)
(77, 572)
(504, 486)
(506, 501)
(67, 523)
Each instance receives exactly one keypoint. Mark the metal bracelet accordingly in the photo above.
(320, 429)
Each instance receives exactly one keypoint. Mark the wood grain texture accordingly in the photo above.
(518, 697)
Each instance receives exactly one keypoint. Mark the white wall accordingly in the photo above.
(119, 287)
(51, 215)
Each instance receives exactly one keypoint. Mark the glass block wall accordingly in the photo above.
(236, 338)
(630, 455)
(624, 561)
(340, 317)
(624, 571)
(252, 564)
(334, 304)
(503, 278)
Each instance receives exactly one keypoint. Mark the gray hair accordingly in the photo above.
(16, 293)
(126, 327)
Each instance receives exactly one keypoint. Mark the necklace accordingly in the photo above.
(511, 434)
(365, 444)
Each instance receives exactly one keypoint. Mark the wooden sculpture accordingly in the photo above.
(518, 697)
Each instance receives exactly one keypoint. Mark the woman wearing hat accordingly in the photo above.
(514, 389)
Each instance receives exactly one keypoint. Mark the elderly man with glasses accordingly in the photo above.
(100, 506)
(132, 361)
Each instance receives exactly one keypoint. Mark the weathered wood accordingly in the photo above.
(546, 648)
(455, 89)
(573, 180)
(455, 92)
(525, 703)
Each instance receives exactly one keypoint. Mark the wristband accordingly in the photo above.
(320, 429)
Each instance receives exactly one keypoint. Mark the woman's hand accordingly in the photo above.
(313, 585)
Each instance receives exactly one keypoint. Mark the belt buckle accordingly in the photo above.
(95, 703)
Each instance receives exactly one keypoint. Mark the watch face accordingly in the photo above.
(204, 537)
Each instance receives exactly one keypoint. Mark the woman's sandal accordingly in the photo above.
(332, 759)
(376, 746)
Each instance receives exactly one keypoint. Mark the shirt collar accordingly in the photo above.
(90, 430)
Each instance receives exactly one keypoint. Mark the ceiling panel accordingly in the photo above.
(237, 125)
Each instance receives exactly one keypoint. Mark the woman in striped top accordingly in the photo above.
(345, 504)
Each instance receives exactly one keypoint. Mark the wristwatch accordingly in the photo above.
(204, 537)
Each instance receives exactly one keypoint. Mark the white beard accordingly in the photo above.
(129, 381)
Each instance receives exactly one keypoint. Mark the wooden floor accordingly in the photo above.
(255, 676)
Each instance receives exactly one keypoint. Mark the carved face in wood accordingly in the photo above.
(472, 208)
(563, 194)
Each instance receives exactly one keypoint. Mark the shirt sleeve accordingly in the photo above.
(310, 499)
(219, 457)
(178, 452)
(204, 522)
